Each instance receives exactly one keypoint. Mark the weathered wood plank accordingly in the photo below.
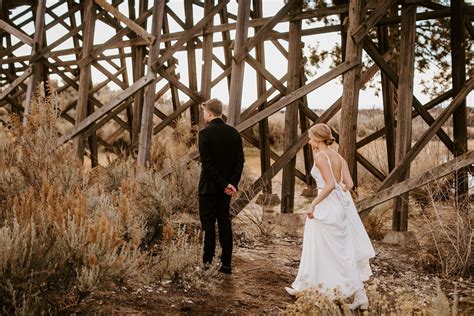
(238, 66)
(458, 62)
(117, 100)
(414, 182)
(37, 45)
(17, 33)
(147, 117)
(382, 8)
(372, 51)
(381, 132)
(191, 54)
(405, 101)
(242, 51)
(85, 79)
(428, 135)
(388, 105)
(291, 112)
(149, 38)
(18, 81)
(350, 95)
(316, 83)
(189, 34)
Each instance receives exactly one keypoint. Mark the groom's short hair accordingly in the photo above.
(214, 106)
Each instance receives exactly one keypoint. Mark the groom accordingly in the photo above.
(222, 158)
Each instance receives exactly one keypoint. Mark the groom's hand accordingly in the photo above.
(230, 189)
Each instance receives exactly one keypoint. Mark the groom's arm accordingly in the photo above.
(207, 163)
(239, 164)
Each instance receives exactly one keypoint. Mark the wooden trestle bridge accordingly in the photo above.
(143, 40)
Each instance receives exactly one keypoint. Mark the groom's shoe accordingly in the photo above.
(225, 269)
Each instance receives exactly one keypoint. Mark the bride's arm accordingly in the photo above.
(346, 177)
(323, 166)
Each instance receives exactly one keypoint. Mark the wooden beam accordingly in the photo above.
(227, 49)
(388, 106)
(125, 20)
(307, 14)
(350, 95)
(316, 83)
(18, 81)
(17, 33)
(427, 136)
(191, 55)
(263, 142)
(138, 70)
(405, 101)
(398, 189)
(147, 117)
(372, 51)
(238, 67)
(381, 132)
(189, 34)
(458, 62)
(291, 113)
(206, 73)
(85, 78)
(381, 9)
(111, 42)
(174, 91)
(242, 51)
(37, 45)
(117, 100)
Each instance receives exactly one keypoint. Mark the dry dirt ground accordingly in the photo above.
(261, 271)
(267, 262)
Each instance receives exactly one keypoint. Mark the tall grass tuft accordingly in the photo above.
(66, 231)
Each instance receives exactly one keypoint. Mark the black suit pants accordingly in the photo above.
(212, 208)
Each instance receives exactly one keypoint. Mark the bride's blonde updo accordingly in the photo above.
(322, 132)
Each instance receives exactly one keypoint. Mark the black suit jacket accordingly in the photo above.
(222, 157)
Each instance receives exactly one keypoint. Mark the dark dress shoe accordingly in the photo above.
(225, 269)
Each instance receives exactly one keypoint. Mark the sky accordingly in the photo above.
(276, 63)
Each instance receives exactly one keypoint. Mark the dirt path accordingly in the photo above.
(261, 271)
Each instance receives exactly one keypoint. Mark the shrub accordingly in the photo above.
(449, 233)
(67, 231)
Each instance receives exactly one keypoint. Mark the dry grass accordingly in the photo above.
(311, 302)
(66, 231)
(448, 234)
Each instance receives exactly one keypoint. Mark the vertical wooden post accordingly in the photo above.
(388, 106)
(227, 49)
(191, 53)
(138, 56)
(350, 94)
(147, 117)
(263, 129)
(311, 190)
(85, 73)
(92, 139)
(171, 62)
(342, 18)
(11, 68)
(458, 60)
(235, 97)
(405, 99)
(206, 73)
(291, 113)
(38, 43)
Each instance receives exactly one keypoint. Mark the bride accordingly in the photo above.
(336, 247)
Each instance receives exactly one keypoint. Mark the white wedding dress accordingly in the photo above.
(336, 247)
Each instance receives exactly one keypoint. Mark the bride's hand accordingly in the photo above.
(310, 213)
